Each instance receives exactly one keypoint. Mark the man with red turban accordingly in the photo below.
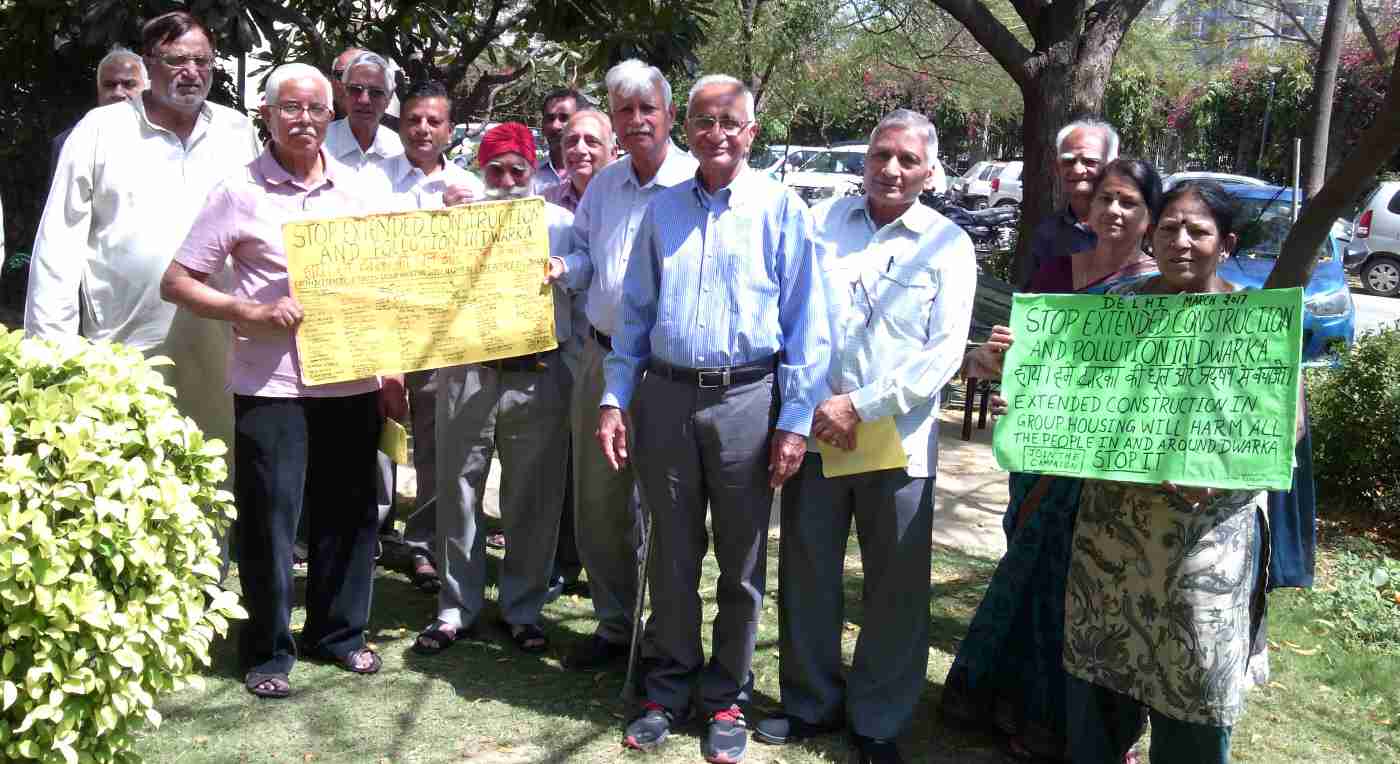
(517, 409)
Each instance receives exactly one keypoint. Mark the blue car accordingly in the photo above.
(1329, 314)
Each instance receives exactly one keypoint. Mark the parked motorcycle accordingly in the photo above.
(991, 230)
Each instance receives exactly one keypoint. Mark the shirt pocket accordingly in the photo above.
(903, 300)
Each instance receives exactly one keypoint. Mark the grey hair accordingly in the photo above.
(369, 58)
(634, 77)
(1110, 136)
(288, 72)
(597, 116)
(914, 122)
(712, 80)
(119, 53)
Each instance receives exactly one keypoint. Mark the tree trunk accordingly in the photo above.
(1376, 147)
(1324, 86)
(1046, 108)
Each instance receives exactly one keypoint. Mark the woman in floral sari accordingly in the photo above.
(1008, 669)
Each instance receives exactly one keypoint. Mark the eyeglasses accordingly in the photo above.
(292, 110)
(356, 91)
(498, 169)
(338, 73)
(181, 61)
(705, 124)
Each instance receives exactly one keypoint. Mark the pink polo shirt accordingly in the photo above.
(242, 221)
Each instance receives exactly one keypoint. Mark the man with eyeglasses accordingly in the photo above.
(358, 140)
(607, 521)
(723, 308)
(421, 178)
(130, 181)
(1083, 148)
(515, 408)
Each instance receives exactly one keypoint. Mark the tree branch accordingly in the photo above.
(1368, 29)
(992, 35)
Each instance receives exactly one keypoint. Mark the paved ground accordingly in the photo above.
(1374, 313)
(971, 491)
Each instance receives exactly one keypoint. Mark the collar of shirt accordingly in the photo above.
(917, 219)
(674, 169)
(740, 191)
(201, 123)
(401, 169)
(270, 172)
(341, 141)
(563, 194)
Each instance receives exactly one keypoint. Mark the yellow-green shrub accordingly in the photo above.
(109, 568)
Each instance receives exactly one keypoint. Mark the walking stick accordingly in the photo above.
(629, 688)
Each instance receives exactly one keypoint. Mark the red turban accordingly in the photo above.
(506, 138)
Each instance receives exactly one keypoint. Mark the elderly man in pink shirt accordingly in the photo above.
(298, 446)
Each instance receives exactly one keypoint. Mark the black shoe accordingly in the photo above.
(727, 737)
(649, 730)
(873, 750)
(594, 653)
(781, 728)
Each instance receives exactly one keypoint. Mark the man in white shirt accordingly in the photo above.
(120, 75)
(900, 280)
(359, 141)
(130, 181)
(607, 521)
(420, 178)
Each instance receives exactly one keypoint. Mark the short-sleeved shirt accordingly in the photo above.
(242, 221)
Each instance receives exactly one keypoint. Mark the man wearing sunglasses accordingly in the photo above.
(515, 408)
(358, 140)
(130, 180)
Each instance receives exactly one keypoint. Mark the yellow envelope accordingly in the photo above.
(878, 447)
(393, 441)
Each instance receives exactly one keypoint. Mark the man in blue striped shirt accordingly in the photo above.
(723, 307)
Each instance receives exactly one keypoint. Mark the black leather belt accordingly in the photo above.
(602, 339)
(529, 363)
(723, 376)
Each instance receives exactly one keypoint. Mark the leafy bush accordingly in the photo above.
(109, 505)
(1360, 603)
(1356, 425)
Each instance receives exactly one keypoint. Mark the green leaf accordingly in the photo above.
(9, 692)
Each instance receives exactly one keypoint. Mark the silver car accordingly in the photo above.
(1374, 251)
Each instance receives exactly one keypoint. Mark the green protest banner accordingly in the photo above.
(1198, 389)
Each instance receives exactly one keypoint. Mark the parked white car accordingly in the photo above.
(778, 160)
(1218, 177)
(976, 185)
(1374, 250)
(831, 172)
(1006, 186)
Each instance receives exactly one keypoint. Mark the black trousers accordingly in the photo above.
(316, 454)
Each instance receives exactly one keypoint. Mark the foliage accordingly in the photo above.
(109, 503)
(1355, 410)
(1360, 605)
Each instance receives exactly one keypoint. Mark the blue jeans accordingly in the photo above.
(1103, 725)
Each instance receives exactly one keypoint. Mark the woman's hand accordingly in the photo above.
(985, 361)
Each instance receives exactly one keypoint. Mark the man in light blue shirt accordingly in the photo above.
(900, 279)
(607, 521)
(724, 309)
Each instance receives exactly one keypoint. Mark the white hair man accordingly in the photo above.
(359, 140)
(724, 309)
(901, 280)
(607, 519)
(129, 184)
(1082, 149)
(121, 74)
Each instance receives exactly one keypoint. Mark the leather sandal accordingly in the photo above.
(277, 685)
(424, 575)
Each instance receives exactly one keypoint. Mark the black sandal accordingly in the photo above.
(425, 575)
(279, 686)
(529, 637)
(439, 633)
(351, 661)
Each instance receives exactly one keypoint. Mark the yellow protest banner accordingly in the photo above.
(404, 291)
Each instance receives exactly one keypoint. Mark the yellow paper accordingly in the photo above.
(384, 294)
(878, 447)
(393, 441)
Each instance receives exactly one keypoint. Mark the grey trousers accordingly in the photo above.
(420, 526)
(698, 447)
(607, 520)
(894, 524)
(522, 417)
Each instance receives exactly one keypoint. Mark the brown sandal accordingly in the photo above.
(351, 662)
(267, 684)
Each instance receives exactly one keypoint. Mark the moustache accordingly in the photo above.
(638, 131)
(514, 192)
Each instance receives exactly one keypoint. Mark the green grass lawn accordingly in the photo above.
(488, 702)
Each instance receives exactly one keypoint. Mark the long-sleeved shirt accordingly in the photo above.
(1052, 242)
(414, 190)
(725, 279)
(900, 304)
(605, 225)
(342, 144)
(124, 196)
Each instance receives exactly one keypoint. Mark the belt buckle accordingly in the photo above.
(723, 375)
